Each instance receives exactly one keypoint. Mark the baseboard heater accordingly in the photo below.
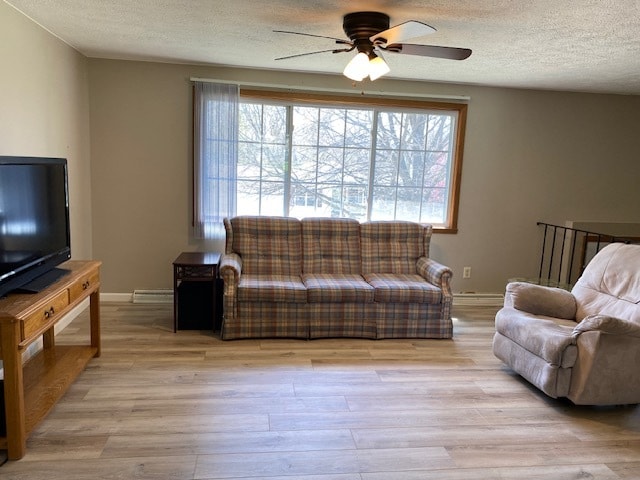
(479, 299)
(152, 296)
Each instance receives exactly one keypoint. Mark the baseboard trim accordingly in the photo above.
(459, 299)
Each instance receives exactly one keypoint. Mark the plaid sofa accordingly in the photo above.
(332, 277)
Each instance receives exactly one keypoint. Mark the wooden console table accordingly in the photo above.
(32, 389)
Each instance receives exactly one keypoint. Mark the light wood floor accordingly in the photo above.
(159, 405)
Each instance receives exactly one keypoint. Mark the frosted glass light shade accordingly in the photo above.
(377, 68)
(357, 68)
(362, 65)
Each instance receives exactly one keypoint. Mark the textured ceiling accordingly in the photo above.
(576, 45)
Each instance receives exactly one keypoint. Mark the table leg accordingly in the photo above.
(13, 390)
(94, 314)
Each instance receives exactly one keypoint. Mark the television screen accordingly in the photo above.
(34, 219)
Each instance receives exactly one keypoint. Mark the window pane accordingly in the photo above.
(303, 201)
(305, 125)
(275, 124)
(249, 160)
(331, 196)
(356, 166)
(409, 203)
(434, 206)
(354, 202)
(439, 134)
(389, 130)
(437, 170)
(328, 201)
(384, 203)
(250, 122)
(414, 128)
(262, 154)
(272, 198)
(330, 165)
(331, 128)
(248, 197)
(410, 169)
(358, 128)
(386, 167)
(273, 163)
(304, 163)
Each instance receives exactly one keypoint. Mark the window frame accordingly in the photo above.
(301, 98)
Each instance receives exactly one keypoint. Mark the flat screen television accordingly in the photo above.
(34, 222)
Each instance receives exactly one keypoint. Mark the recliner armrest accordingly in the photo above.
(607, 324)
(540, 300)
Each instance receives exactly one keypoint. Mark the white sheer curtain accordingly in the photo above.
(215, 151)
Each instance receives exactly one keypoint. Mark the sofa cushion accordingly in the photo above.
(268, 245)
(332, 288)
(402, 288)
(393, 246)
(331, 245)
(271, 288)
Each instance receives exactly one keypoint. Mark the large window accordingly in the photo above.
(373, 160)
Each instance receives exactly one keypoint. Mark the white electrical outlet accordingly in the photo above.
(466, 272)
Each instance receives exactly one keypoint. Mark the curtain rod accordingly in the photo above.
(435, 96)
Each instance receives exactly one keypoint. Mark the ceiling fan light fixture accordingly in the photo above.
(357, 68)
(369, 33)
(377, 67)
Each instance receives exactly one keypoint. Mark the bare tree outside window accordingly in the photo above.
(367, 163)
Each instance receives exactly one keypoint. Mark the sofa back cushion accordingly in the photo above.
(268, 245)
(393, 246)
(331, 245)
(610, 284)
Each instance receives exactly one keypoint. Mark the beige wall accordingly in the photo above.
(44, 110)
(529, 156)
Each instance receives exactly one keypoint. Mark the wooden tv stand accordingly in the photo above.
(32, 389)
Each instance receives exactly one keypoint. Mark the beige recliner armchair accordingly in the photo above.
(583, 344)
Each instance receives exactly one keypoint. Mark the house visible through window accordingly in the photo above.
(367, 159)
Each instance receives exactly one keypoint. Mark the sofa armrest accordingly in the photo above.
(435, 273)
(231, 268)
(606, 324)
(540, 300)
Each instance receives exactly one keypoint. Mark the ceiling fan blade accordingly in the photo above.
(338, 40)
(333, 50)
(402, 32)
(450, 53)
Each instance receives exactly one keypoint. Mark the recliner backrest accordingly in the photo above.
(610, 284)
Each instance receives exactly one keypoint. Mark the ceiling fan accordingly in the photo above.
(370, 35)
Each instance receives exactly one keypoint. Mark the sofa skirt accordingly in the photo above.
(414, 320)
(267, 320)
(332, 320)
